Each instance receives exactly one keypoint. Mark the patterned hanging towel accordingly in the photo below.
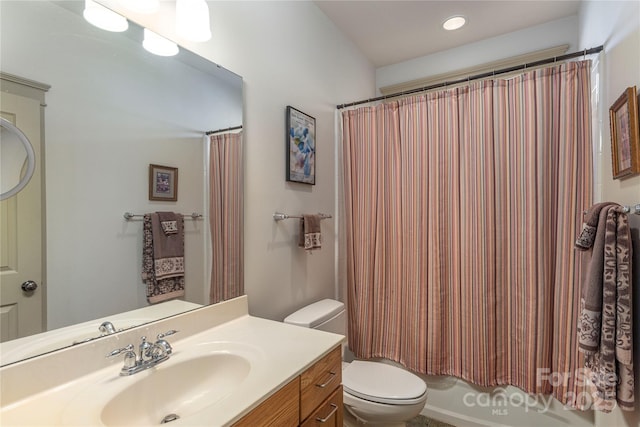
(163, 256)
(587, 236)
(605, 324)
(310, 237)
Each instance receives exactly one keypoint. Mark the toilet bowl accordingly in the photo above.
(378, 393)
(375, 393)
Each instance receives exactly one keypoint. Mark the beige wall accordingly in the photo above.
(616, 25)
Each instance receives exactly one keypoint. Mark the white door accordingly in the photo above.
(21, 251)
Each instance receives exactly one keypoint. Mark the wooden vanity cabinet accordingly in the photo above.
(329, 413)
(319, 381)
(314, 398)
(281, 409)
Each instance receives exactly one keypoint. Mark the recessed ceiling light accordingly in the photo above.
(454, 22)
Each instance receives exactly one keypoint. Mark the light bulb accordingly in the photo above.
(141, 6)
(104, 18)
(158, 45)
(192, 20)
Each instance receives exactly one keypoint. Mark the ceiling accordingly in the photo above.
(392, 31)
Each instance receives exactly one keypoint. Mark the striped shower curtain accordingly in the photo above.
(461, 210)
(226, 216)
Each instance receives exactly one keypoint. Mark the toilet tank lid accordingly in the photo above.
(316, 313)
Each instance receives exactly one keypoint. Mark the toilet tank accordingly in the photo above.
(326, 315)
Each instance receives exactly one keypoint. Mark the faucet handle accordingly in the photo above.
(118, 351)
(166, 334)
(162, 346)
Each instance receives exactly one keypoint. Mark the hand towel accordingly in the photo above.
(605, 326)
(163, 257)
(168, 249)
(591, 298)
(310, 236)
(588, 234)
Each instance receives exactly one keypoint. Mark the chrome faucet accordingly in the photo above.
(149, 355)
(107, 328)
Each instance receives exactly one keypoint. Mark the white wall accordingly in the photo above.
(289, 53)
(616, 25)
(543, 36)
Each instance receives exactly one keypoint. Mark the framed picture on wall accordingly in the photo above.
(625, 140)
(163, 183)
(300, 147)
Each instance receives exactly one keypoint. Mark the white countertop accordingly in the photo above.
(277, 353)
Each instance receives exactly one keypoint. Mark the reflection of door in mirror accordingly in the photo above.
(21, 312)
(13, 157)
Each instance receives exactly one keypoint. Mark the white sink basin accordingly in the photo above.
(224, 363)
(180, 389)
(197, 376)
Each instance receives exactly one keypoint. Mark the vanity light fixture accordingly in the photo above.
(142, 6)
(192, 20)
(104, 18)
(158, 45)
(454, 22)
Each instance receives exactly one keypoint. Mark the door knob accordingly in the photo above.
(29, 286)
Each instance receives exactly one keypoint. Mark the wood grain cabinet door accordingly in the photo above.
(329, 414)
(280, 410)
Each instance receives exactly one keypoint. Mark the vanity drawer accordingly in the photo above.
(280, 410)
(319, 381)
(329, 414)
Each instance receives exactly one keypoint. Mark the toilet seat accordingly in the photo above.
(382, 383)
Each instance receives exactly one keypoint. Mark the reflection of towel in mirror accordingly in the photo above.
(310, 236)
(163, 257)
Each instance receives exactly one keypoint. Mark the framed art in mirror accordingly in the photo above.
(163, 183)
(300, 147)
(625, 140)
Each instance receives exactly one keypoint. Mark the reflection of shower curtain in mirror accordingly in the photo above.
(226, 216)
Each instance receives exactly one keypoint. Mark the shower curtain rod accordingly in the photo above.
(585, 52)
(211, 132)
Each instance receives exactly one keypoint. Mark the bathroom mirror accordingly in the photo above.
(112, 110)
(17, 159)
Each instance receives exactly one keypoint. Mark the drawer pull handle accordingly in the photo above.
(333, 411)
(332, 375)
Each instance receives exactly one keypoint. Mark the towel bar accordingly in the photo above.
(278, 216)
(627, 209)
(128, 216)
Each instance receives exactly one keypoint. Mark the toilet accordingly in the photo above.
(375, 393)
